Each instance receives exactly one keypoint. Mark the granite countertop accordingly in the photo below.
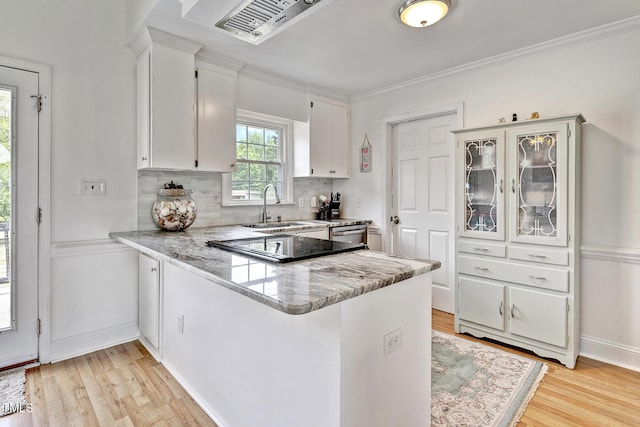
(294, 288)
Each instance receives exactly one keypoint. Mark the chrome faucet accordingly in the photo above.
(265, 215)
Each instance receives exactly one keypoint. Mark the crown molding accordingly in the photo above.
(603, 31)
(151, 34)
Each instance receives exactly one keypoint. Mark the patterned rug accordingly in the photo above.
(12, 391)
(476, 385)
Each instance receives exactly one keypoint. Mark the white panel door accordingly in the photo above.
(18, 207)
(423, 202)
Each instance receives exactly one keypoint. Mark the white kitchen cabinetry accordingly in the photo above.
(216, 140)
(321, 146)
(166, 102)
(518, 207)
(149, 290)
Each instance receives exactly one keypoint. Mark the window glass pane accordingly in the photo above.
(7, 282)
(271, 137)
(240, 190)
(241, 173)
(256, 135)
(256, 190)
(257, 173)
(256, 152)
(241, 150)
(241, 133)
(272, 174)
(271, 153)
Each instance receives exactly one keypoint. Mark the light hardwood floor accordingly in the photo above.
(125, 386)
(592, 394)
(118, 386)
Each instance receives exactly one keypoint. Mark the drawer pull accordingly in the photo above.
(500, 309)
(537, 256)
(481, 269)
(481, 250)
(538, 278)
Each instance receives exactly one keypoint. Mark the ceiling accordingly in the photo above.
(350, 47)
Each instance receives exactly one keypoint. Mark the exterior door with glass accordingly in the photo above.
(18, 216)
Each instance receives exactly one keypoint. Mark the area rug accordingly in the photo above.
(476, 385)
(12, 391)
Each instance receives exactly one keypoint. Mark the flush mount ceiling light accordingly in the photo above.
(422, 13)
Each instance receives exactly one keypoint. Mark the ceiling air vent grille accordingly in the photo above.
(252, 20)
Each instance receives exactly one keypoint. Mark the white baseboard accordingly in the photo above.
(194, 395)
(77, 345)
(610, 352)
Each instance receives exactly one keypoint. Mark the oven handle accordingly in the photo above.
(349, 233)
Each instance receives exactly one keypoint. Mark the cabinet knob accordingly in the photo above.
(153, 269)
(513, 310)
(513, 185)
(501, 187)
(144, 159)
(500, 308)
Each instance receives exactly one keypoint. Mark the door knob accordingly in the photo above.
(394, 219)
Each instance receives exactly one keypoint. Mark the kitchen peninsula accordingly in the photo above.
(339, 340)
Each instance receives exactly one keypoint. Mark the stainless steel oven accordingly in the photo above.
(349, 233)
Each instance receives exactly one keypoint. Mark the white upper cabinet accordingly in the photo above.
(539, 183)
(166, 102)
(322, 145)
(482, 156)
(216, 138)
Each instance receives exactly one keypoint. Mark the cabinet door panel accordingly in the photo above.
(481, 174)
(538, 316)
(539, 183)
(481, 302)
(149, 298)
(321, 139)
(340, 159)
(216, 121)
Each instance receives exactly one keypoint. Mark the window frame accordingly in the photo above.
(285, 126)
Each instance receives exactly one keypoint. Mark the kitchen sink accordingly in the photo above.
(277, 224)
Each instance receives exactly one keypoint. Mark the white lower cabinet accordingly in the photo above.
(482, 302)
(149, 292)
(539, 316)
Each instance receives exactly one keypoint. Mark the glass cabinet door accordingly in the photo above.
(539, 188)
(483, 156)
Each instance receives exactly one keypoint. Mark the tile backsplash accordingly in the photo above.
(207, 193)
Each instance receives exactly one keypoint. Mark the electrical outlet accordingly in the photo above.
(313, 202)
(181, 323)
(392, 341)
(93, 187)
(301, 202)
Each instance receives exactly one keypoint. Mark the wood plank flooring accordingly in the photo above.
(592, 394)
(119, 386)
(125, 386)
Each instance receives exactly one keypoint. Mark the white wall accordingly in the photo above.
(92, 108)
(597, 77)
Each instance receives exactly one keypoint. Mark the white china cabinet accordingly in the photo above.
(518, 224)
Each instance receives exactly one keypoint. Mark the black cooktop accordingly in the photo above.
(285, 247)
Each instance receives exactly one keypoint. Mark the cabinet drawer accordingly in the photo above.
(481, 248)
(539, 255)
(539, 277)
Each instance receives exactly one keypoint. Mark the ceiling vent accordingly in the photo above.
(255, 21)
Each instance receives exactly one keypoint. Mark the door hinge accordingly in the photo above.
(39, 327)
(38, 98)
(39, 216)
